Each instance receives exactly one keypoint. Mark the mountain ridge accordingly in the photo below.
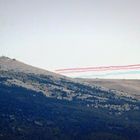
(7, 63)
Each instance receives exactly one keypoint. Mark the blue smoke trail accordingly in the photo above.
(110, 74)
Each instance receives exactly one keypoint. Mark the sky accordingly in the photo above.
(56, 34)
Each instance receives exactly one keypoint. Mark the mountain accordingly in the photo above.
(38, 104)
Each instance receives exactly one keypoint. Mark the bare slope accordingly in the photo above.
(131, 87)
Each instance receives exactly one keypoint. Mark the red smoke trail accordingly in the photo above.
(103, 68)
(64, 72)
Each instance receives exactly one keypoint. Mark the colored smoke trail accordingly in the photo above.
(103, 68)
(102, 71)
(111, 74)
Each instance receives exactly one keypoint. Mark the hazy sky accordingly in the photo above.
(55, 34)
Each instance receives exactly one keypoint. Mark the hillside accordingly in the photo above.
(38, 104)
(131, 87)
